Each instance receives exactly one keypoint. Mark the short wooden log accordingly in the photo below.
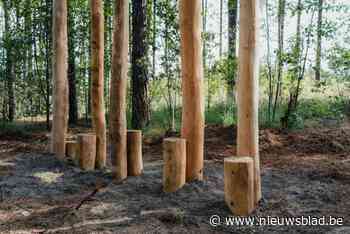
(87, 151)
(72, 151)
(239, 184)
(134, 152)
(174, 171)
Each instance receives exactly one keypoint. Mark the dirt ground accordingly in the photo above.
(303, 173)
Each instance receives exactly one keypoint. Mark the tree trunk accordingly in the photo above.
(248, 88)
(154, 42)
(140, 102)
(59, 71)
(232, 58)
(48, 47)
(9, 66)
(118, 123)
(97, 77)
(221, 22)
(73, 104)
(281, 17)
(192, 87)
(319, 42)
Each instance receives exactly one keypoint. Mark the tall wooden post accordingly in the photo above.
(192, 81)
(97, 76)
(118, 125)
(60, 82)
(248, 88)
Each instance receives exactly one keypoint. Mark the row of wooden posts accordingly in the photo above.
(242, 174)
(238, 171)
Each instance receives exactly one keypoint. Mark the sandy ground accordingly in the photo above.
(303, 173)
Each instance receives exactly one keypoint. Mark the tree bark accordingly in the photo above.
(118, 123)
(97, 77)
(140, 100)
(281, 17)
(48, 48)
(9, 66)
(73, 103)
(232, 58)
(319, 42)
(192, 87)
(248, 88)
(60, 85)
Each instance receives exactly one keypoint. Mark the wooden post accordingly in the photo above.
(72, 150)
(248, 88)
(118, 126)
(174, 171)
(60, 81)
(87, 151)
(134, 143)
(239, 184)
(97, 77)
(192, 81)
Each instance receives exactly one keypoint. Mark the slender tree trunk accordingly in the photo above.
(269, 65)
(154, 42)
(118, 123)
(319, 41)
(59, 71)
(192, 86)
(97, 76)
(281, 19)
(248, 88)
(140, 100)
(221, 24)
(232, 58)
(9, 66)
(48, 48)
(73, 103)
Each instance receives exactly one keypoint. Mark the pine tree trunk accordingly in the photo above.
(192, 87)
(118, 123)
(140, 100)
(59, 72)
(97, 77)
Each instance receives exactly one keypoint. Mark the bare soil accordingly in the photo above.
(304, 172)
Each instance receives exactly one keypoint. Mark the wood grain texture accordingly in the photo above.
(239, 185)
(118, 125)
(97, 77)
(134, 149)
(248, 88)
(60, 80)
(192, 128)
(174, 170)
(87, 151)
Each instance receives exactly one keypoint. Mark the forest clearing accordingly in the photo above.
(174, 116)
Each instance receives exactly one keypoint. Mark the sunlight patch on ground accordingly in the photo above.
(48, 177)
